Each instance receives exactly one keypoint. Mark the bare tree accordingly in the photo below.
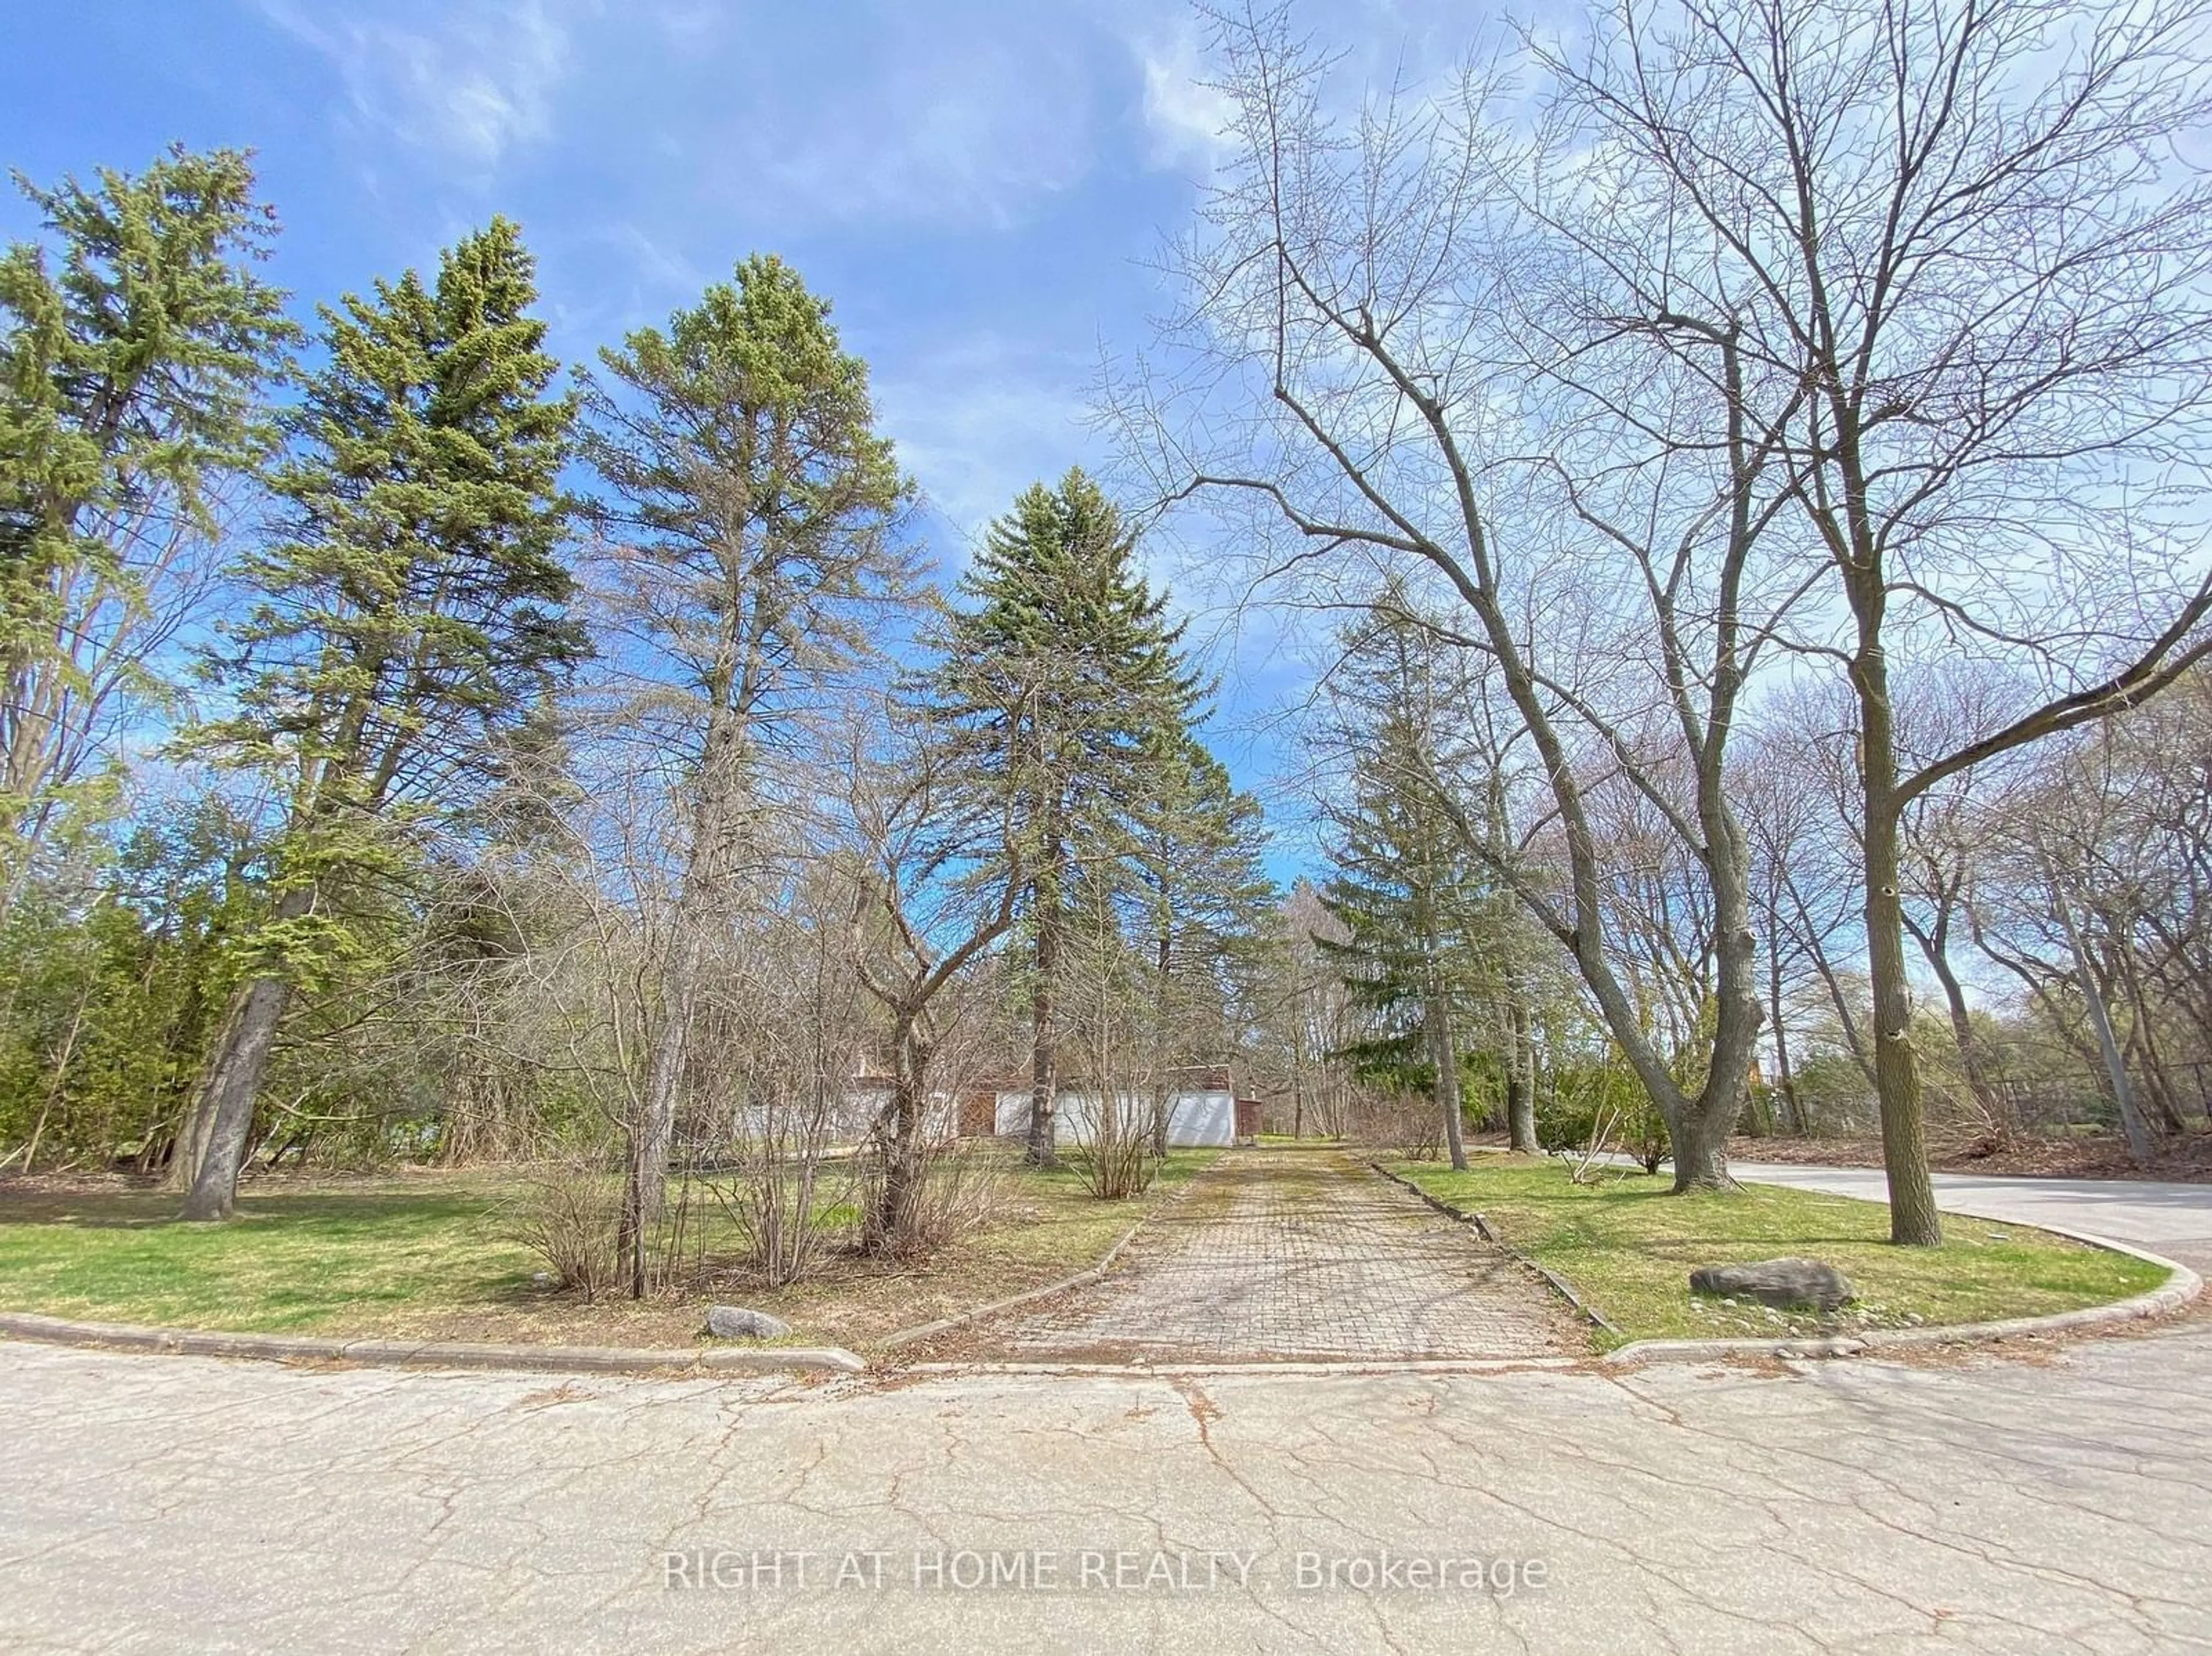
(104, 676)
(936, 866)
(2081, 903)
(1966, 268)
(1301, 1015)
(789, 1030)
(1387, 351)
(1119, 1120)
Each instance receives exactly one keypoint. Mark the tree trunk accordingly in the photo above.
(1996, 1106)
(2158, 1081)
(190, 1143)
(1785, 1088)
(1700, 1145)
(2131, 1122)
(1914, 1220)
(1444, 1055)
(645, 1187)
(211, 1149)
(1044, 1080)
(891, 1228)
(699, 906)
(1520, 1085)
(1699, 1131)
(1042, 1150)
(232, 1086)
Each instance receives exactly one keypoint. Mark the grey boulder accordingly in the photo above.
(734, 1322)
(1789, 1283)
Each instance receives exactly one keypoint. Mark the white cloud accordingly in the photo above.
(1186, 120)
(959, 112)
(979, 420)
(471, 81)
(940, 118)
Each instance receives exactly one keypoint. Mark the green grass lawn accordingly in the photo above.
(294, 1260)
(1628, 1247)
(429, 1254)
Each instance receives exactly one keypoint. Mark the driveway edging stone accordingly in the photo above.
(1082, 1278)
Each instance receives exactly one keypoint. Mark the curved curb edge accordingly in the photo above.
(2182, 1285)
(430, 1353)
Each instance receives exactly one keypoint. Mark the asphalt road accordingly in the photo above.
(2173, 1219)
(185, 1504)
(2060, 1502)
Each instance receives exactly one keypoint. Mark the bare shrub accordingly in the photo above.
(789, 1031)
(1409, 1126)
(959, 1189)
(1117, 1143)
(566, 1212)
(787, 1178)
(1118, 1118)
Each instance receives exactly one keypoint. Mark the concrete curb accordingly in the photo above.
(1083, 1278)
(1331, 1368)
(432, 1354)
(1557, 1284)
(2182, 1286)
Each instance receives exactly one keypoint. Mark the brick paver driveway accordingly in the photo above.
(1277, 1255)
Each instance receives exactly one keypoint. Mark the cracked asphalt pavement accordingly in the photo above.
(2058, 1500)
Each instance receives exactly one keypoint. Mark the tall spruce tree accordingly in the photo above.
(1068, 674)
(1417, 913)
(756, 509)
(135, 345)
(414, 609)
(1199, 894)
(1402, 902)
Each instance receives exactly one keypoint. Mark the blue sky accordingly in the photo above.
(977, 184)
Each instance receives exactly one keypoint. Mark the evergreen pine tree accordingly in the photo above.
(135, 344)
(413, 610)
(1417, 913)
(758, 508)
(1068, 675)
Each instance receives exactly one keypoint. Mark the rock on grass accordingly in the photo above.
(734, 1322)
(1788, 1283)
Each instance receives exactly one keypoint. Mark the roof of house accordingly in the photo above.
(1194, 1077)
